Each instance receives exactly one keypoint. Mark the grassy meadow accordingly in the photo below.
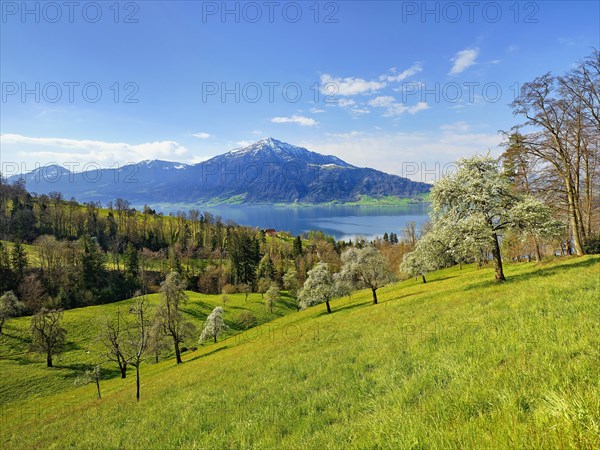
(458, 362)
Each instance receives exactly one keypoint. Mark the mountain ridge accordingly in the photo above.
(268, 171)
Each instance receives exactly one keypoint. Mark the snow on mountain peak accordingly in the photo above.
(272, 147)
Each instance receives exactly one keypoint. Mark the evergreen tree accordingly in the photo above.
(18, 261)
(92, 264)
(297, 246)
(131, 260)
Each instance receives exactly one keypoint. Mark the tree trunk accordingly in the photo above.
(423, 278)
(575, 225)
(137, 381)
(177, 352)
(374, 295)
(215, 338)
(123, 369)
(98, 387)
(328, 307)
(1, 324)
(538, 251)
(49, 359)
(497, 259)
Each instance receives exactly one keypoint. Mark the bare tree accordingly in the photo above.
(138, 337)
(93, 375)
(113, 340)
(174, 324)
(47, 334)
(565, 113)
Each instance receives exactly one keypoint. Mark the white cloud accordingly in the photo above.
(420, 106)
(316, 110)
(419, 156)
(351, 134)
(395, 109)
(383, 100)
(64, 150)
(243, 143)
(360, 111)
(300, 120)
(345, 102)
(348, 86)
(463, 60)
(202, 135)
(198, 159)
(412, 70)
(461, 127)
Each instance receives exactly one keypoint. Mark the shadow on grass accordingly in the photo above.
(22, 359)
(347, 307)
(26, 340)
(77, 370)
(394, 299)
(433, 280)
(537, 270)
(198, 310)
(203, 355)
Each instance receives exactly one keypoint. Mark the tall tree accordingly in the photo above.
(173, 297)
(138, 337)
(19, 260)
(563, 112)
(131, 260)
(113, 340)
(297, 246)
(477, 203)
(245, 255)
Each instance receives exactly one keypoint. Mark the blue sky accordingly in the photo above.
(410, 87)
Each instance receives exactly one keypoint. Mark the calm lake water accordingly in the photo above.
(341, 222)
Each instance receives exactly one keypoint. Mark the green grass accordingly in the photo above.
(365, 200)
(31, 251)
(459, 362)
(29, 378)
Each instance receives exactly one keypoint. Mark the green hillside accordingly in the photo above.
(459, 362)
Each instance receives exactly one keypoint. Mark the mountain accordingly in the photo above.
(266, 172)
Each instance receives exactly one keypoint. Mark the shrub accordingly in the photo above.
(246, 320)
(592, 245)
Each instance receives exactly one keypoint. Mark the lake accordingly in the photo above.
(341, 222)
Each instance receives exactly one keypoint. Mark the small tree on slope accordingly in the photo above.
(319, 287)
(214, 326)
(366, 268)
